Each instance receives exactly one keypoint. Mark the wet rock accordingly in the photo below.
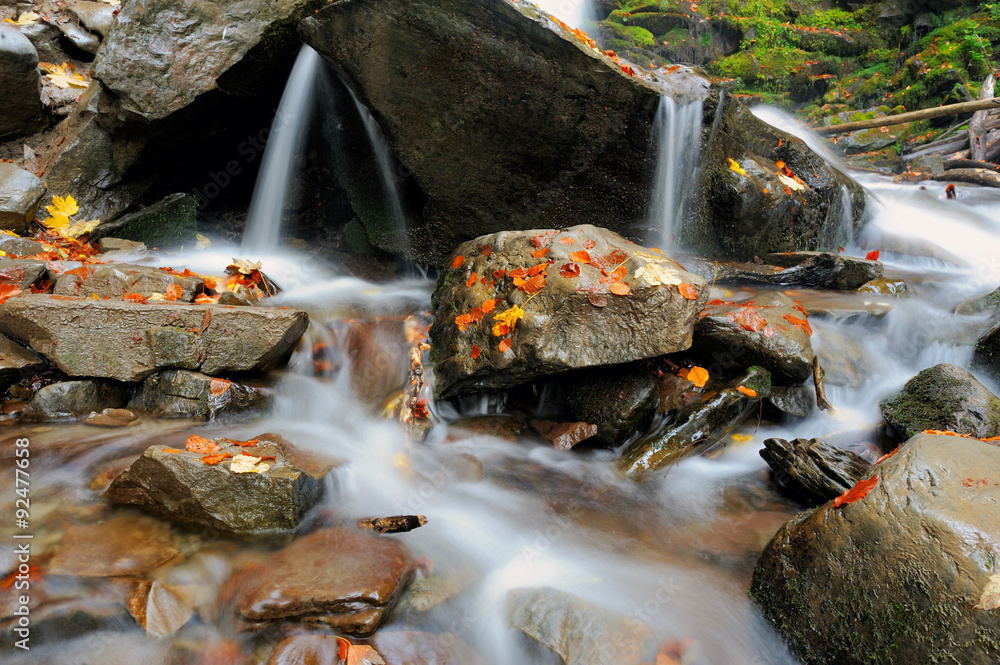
(67, 618)
(18, 246)
(898, 576)
(574, 321)
(813, 470)
(340, 578)
(112, 418)
(20, 108)
(796, 401)
(73, 399)
(988, 304)
(159, 608)
(94, 16)
(770, 330)
(586, 132)
(696, 425)
(580, 632)
(743, 216)
(564, 435)
(170, 222)
(121, 245)
(23, 272)
(127, 545)
(849, 273)
(145, 63)
(404, 647)
(16, 363)
(119, 279)
(507, 428)
(181, 487)
(986, 356)
(79, 36)
(886, 287)
(619, 401)
(178, 393)
(137, 340)
(20, 193)
(943, 397)
(306, 650)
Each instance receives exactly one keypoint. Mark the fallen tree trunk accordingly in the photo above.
(980, 177)
(992, 149)
(912, 116)
(977, 126)
(948, 142)
(953, 164)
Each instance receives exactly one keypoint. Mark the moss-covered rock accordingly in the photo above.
(943, 397)
(170, 222)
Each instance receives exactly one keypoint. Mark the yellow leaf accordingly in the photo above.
(990, 599)
(698, 376)
(741, 437)
(658, 273)
(248, 464)
(508, 318)
(735, 167)
(63, 75)
(66, 206)
(202, 242)
(77, 229)
(27, 18)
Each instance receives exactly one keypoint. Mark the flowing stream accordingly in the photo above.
(676, 552)
(678, 137)
(574, 13)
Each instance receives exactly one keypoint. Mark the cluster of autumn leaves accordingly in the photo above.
(212, 453)
(533, 279)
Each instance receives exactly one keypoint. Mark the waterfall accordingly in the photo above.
(677, 136)
(286, 140)
(574, 13)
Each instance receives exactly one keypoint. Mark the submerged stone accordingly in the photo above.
(126, 545)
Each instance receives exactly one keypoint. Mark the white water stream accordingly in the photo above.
(677, 139)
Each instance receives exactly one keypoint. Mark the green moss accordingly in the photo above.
(632, 34)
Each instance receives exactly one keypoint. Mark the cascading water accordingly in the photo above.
(286, 140)
(574, 13)
(677, 137)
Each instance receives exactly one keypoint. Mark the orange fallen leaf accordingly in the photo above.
(485, 250)
(252, 443)
(856, 493)
(581, 256)
(174, 291)
(748, 318)
(696, 375)
(8, 291)
(217, 387)
(688, 291)
(500, 273)
(749, 392)
(888, 455)
(534, 285)
(872, 256)
(475, 351)
(619, 288)
(477, 314)
(534, 270)
(214, 459)
(504, 344)
(199, 444)
(172, 450)
(457, 263)
(463, 321)
(472, 280)
(206, 318)
(801, 324)
(540, 253)
(488, 305)
(205, 299)
(566, 240)
(569, 270)
(357, 654)
(135, 297)
(945, 432)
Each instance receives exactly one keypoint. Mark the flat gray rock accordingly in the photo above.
(20, 192)
(129, 341)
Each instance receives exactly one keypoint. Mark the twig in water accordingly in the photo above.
(821, 400)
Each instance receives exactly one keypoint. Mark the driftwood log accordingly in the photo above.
(977, 126)
(952, 164)
(982, 177)
(813, 470)
(912, 116)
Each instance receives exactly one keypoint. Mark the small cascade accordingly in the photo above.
(286, 140)
(677, 136)
(574, 13)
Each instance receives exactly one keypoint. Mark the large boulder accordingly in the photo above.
(129, 341)
(755, 208)
(21, 106)
(943, 397)
(340, 578)
(72, 399)
(20, 194)
(769, 329)
(160, 56)
(505, 120)
(906, 574)
(573, 316)
(180, 486)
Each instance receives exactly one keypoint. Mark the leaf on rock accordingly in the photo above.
(888, 455)
(735, 167)
(457, 263)
(507, 318)
(473, 278)
(688, 291)
(488, 306)
(749, 392)
(199, 444)
(8, 291)
(485, 250)
(504, 344)
(252, 443)
(566, 240)
(64, 76)
(619, 288)
(990, 598)
(569, 270)
(172, 450)
(248, 464)
(540, 253)
(475, 352)
(801, 324)
(945, 432)
(214, 459)
(657, 273)
(581, 256)
(534, 285)
(135, 297)
(218, 387)
(697, 375)
(872, 256)
(26, 18)
(856, 493)
(748, 318)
